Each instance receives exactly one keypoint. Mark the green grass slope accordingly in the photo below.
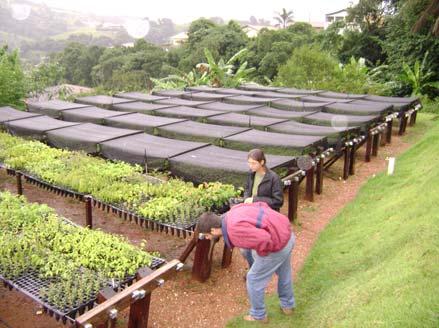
(377, 263)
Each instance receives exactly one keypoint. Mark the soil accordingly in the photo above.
(182, 302)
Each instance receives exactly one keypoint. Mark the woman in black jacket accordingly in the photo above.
(263, 185)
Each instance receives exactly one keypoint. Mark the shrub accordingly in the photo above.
(12, 79)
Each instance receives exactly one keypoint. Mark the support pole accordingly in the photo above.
(293, 199)
(139, 312)
(347, 154)
(402, 123)
(88, 212)
(415, 114)
(19, 183)
(406, 120)
(309, 191)
(319, 176)
(201, 267)
(382, 138)
(352, 159)
(227, 257)
(375, 144)
(389, 131)
(368, 147)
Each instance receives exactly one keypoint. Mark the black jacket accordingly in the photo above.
(270, 190)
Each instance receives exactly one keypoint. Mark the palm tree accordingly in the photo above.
(284, 18)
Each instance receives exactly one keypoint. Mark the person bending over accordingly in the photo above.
(267, 233)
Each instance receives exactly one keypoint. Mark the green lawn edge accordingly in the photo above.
(377, 263)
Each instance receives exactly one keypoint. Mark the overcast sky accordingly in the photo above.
(188, 10)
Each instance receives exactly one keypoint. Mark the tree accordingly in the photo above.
(284, 18)
(403, 46)
(309, 68)
(428, 15)
(12, 79)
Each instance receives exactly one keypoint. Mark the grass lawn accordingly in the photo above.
(377, 262)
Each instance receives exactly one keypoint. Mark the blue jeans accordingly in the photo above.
(260, 275)
(247, 253)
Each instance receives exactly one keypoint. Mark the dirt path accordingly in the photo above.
(183, 302)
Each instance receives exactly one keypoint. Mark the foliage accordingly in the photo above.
(221, 40)
(223, 73)
(116, 183)
(12, 79)
(312, 68)
(78, 60)
(308, 68)
(419, 76)
(79, 260)
(272, 48)
(44, 75)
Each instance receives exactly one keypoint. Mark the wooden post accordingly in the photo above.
(368, 147)
(192, 243)
(88, 212)
(294, 202)
(347, 155)
(19, 183)
(319, 176)
(139, 312)
(406, 119)
(293, 199)
(382, 139)
(402, 122)
(227, 257)
(309, 190)
(104, 295)
(352, 159)
(412, 115)
(415, 114)
(389, 131)
(200, 268)
(375, 145)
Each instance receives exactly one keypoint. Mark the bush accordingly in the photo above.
(312, 68)
(12, 79)
(308, 68)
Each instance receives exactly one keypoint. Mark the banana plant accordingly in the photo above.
(222, 73)
(419, 76)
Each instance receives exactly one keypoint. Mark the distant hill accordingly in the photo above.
(38, 30)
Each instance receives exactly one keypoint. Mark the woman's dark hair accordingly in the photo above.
(257, 155)
(207, 221)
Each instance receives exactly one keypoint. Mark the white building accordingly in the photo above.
(178, 39)
(336, 16)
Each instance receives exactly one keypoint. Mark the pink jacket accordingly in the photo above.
(256, 226)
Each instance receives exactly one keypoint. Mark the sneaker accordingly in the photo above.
(248, 317)
(287, 311)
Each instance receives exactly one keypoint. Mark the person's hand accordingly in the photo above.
(248, 200)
